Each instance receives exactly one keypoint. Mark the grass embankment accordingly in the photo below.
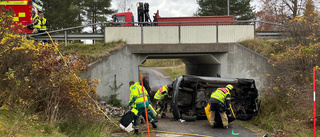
(91, 52)
(20, 124)
(14, 123)
(166, 66)
(286, 104)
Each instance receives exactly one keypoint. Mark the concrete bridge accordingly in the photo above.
(205, 50)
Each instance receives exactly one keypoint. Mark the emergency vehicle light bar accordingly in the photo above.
(13, 2)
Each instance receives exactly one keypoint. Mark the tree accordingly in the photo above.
(309, 8)
(279, 11)
(241, 9)
(96, 11)
(271, 13)
(70, 13)
(305, 29)
(62, 14)
(125, 5)
(294, 6)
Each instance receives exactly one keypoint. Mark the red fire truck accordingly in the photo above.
(122, 19)
(22, 10)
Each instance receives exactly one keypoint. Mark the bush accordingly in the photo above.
(305, 29)
(113, 98)
(38, 79)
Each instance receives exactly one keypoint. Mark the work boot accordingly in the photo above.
(142, 121)
(225, 127)
(153, 124)
(213, 125)
(136, 131)
(155, 120)
(164, 116)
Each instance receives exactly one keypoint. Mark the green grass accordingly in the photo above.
(87, 128)
(13, 123)
(179, 70)
(161, 63)
(90, 52)
(265, 48)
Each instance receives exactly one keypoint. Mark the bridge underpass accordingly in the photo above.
(230, 60)
(196, 64)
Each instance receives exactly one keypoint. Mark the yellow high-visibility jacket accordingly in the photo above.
(221, 94)
(161, 93)
(136, 96)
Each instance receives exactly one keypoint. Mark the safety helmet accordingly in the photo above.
(33, 12)
(229, 86)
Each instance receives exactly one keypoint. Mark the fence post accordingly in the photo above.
(65, 38)
(217, 32)
(179, 32)
(314, 102)
(141, 34)
(254, 29)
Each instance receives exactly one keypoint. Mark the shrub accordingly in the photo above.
(39, 79)
(305, 29)
(113, 98)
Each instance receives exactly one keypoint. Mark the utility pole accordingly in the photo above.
(228, 8)
(173, 65)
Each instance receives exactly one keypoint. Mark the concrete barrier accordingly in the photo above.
(180, 34)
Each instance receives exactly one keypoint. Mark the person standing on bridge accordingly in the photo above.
(161, 98)
(44, 24)
(220, 102)
(34, 19)
(136, 97)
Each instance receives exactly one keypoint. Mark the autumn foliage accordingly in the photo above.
(287, 103)
(36, 78)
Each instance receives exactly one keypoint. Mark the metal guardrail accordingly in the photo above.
(269, 34)
(72, 36)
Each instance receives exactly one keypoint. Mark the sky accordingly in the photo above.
(167, 8)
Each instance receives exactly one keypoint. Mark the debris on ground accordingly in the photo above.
(110, 110)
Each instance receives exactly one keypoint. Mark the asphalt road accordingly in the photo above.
(157, 79)
(199, 127)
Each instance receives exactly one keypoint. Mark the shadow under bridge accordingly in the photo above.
(200, 59)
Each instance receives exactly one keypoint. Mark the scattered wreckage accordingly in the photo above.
(110, 110)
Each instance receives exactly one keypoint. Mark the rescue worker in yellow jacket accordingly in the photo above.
(136, 97)
(220, 102)
(34, 19)
(44, 24)
(161, 98)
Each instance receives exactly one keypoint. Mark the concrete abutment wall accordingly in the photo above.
(237, 62)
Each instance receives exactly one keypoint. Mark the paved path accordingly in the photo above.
(200, 127)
